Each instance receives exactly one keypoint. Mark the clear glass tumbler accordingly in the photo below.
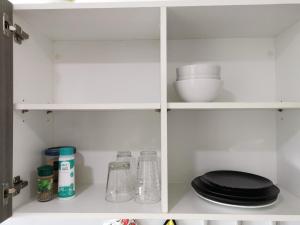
(119, 186)
(126, 156)
(148, 179)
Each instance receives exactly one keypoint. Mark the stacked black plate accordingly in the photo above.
(236, 188)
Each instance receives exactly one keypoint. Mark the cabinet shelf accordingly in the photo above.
(91, 200)
(87, 107)
(154, 106)
(185, 205)
(185, 202)
(234, 105)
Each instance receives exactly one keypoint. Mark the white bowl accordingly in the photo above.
(198, 90)
(200, 68)
(198, 76)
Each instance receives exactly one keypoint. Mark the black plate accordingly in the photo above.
(236, 188)
(254, 203)
(236, 180)
(270, 194)
(270, 191)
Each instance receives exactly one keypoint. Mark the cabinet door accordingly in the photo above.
(6, 110)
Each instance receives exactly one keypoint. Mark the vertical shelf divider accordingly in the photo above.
(163, 111)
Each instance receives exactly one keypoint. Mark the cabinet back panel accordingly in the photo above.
(231, 20)
(211, 140)
(95, 24)
(247, 66)
(99, 135)
(107, 72)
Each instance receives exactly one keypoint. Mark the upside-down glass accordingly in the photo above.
(126, 156)
(148, 180)
(119, 186)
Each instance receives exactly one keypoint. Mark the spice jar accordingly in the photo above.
(45, 183)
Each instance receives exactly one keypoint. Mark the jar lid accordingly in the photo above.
(54, 151)
(67, 150)
(45, 170)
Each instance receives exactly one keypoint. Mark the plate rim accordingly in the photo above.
(233, 205)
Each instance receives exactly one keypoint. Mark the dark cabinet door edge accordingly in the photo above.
(6, 111)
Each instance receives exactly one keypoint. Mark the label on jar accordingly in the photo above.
(44, 185)
(66, 181)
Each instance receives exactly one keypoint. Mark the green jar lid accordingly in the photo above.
(45, 170)
(66, 151)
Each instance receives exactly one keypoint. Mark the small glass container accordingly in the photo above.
(45, 183)
(148, 179)
(119, 186)
(51, 158)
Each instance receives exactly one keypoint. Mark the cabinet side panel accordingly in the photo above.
(288, 142)
(32, 131)
(33, 67)
(288, 122)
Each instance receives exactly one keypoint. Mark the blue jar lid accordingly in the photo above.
(54, 151)
(67, 150)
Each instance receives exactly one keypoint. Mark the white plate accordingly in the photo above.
(236, 206)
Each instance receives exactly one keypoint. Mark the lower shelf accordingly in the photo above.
(183, 200)
(183, 204)
(89, 199)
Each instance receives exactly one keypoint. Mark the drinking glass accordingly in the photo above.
(119, 185)
(148, 180)
(126, 156)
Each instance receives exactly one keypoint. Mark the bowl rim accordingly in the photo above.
(201, 64)
(206, 79)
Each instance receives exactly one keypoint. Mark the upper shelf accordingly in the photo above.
(154, 106)
(234, 105)
(94, 24)
(88, 107)
(83, 4)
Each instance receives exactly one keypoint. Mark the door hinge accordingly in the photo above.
(8, 192)
(10, 29)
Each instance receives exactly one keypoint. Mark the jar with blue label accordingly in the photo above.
(66, 173)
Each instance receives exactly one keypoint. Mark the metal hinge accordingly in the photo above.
(8, 192)
(16, 30)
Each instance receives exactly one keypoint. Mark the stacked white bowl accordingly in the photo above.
(199, 82)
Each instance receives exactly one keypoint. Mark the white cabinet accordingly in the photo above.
(100, 76)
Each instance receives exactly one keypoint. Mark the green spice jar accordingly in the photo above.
(45, 183)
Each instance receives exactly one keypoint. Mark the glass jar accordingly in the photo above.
(45, 183)
(51, 158)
